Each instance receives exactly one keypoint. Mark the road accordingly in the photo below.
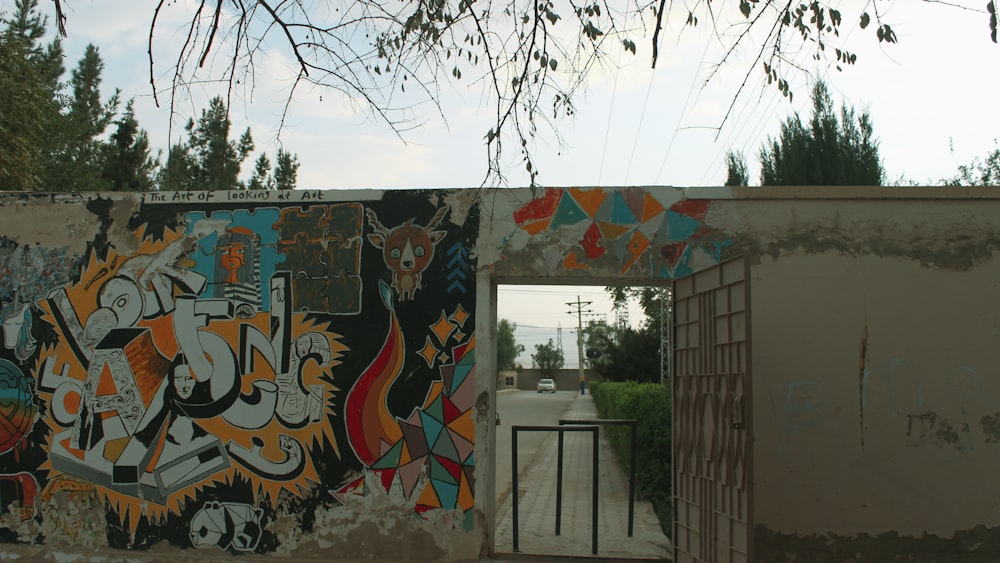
(524, 408)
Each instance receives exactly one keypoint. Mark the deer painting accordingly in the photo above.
(407, 249)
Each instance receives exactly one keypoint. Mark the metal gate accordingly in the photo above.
(711, 415)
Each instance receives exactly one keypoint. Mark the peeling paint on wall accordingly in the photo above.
(622, 232)
(975, 545)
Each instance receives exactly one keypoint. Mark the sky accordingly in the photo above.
(932, 97)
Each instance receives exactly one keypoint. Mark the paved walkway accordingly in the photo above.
(537, 503)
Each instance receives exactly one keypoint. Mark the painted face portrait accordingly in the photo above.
(233, 258)
(183, 382)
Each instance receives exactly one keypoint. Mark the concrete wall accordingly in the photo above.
(876, 387)
(251, 373)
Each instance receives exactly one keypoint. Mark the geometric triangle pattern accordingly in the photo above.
(409, 474)
(464, 397)
(449, 410)
(624, 207)
(445, 447)
(637, 246)
(386, 476)
(414, 438)
(538, 209)
(460, 373)
(428, 499)
(588, 200)
(447, 373)
(435, 410)
(390, 459)
(463, 447)
(681, 227)
(463, 426)
(447, 493)
(568, 212)
(438, 439)
(631, 223)
(469, 477)
(460, 351)
(592, 242)
(444, 469)
(431, 426)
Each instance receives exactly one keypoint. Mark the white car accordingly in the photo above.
(546, 386)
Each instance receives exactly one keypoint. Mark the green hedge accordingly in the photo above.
(649, 403)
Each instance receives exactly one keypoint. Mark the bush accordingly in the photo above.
(648, 403)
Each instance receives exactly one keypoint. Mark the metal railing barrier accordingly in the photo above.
(631, 471)
(574, 427)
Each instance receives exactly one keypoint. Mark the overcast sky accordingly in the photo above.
(934, 91)
(634, 125)
(540, 311)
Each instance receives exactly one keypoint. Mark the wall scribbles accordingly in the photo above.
(213, 376)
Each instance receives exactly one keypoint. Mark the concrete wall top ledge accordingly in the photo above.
(863, 192)
(694, 192)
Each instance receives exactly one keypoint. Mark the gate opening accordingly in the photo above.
(537, 326)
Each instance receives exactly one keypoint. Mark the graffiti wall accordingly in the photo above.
(225, 374)
(199, 369)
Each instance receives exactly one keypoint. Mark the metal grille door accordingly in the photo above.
(711, 424)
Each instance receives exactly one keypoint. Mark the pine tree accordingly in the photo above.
(208, 160)
(261, 179)
(825, 152)
(29, 83)
(176, 175)
(736, 169)
(78, 147)
(286, 171)
(127, 162)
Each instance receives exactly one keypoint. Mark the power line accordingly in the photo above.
(680, 115)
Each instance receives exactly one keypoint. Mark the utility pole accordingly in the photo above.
(579, 312)
(665, 341)
(621, 317)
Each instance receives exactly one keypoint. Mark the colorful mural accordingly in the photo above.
(629, 228)
(436, 439)
(407, 250)
(237, 364)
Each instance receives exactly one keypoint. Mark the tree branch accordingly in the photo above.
(211, 35)
(149, 51)
(60, 17)
(288, 34)
(656, 31)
